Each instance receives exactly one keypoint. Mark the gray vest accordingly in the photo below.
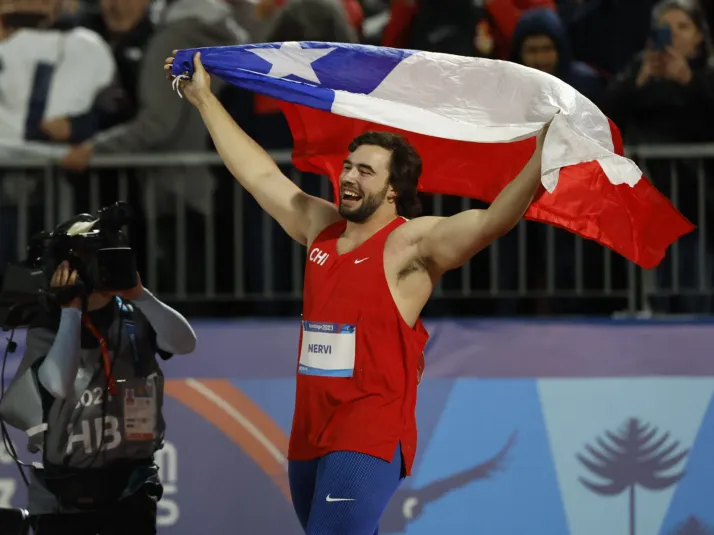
(93, 428)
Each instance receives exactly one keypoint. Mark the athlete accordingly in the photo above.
(371, 267)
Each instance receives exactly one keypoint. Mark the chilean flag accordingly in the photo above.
(473, 122)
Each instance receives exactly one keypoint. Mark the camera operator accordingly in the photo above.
(89, 392)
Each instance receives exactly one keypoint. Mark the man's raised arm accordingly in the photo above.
(301, 215)
(447, 243)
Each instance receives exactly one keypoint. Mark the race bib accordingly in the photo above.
(328, 349)
(139, 409)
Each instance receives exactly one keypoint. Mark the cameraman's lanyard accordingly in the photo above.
(106, 360)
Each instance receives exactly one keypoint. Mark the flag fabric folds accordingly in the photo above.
(473, 122)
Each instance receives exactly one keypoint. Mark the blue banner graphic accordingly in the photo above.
(553, 428)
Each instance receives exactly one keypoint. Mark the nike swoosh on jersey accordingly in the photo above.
(329, 499)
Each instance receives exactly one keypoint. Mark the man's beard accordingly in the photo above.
(368, 206)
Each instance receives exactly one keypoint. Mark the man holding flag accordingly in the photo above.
(370, 271)
(371, 267)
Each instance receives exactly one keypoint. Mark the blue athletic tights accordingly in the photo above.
(343, 493)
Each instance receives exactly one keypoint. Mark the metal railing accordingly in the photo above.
(686, 174)
(241, 254)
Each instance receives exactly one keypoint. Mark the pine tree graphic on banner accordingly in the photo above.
(629, 458)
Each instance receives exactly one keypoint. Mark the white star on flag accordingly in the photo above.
(291, 58)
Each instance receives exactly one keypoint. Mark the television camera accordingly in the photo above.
(96, 247)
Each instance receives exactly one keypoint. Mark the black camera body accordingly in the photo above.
(96, 247)
(99, 252)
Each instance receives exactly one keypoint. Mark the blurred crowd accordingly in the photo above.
(80, 78)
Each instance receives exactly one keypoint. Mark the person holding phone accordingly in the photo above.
(666, 95)
(673, 41)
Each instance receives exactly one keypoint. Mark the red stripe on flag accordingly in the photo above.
(617, 143)
(639, 223)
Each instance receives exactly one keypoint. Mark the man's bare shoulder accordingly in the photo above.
(414, 229)
(403, 242)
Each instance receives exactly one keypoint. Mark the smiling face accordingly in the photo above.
(364, 183)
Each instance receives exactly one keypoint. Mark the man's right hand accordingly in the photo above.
(63, 277)
(197, 88)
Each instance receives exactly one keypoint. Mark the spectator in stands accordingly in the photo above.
(270, 9)
(449, 23)
(454, 28)
(166, 123)
(606, 34)
(666, 95)
(51, 77)
(49, 81)
(506, 14)
(127, 26)
(540, 41)
(315, 20)
(250, 16)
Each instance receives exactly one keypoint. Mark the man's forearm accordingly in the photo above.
(257, 172)
(453, 240)
(243, 157)
(513, 201)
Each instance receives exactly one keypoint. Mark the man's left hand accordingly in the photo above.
(77, 159)
(133, 293)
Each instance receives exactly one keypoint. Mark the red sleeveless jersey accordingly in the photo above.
(359, 362)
